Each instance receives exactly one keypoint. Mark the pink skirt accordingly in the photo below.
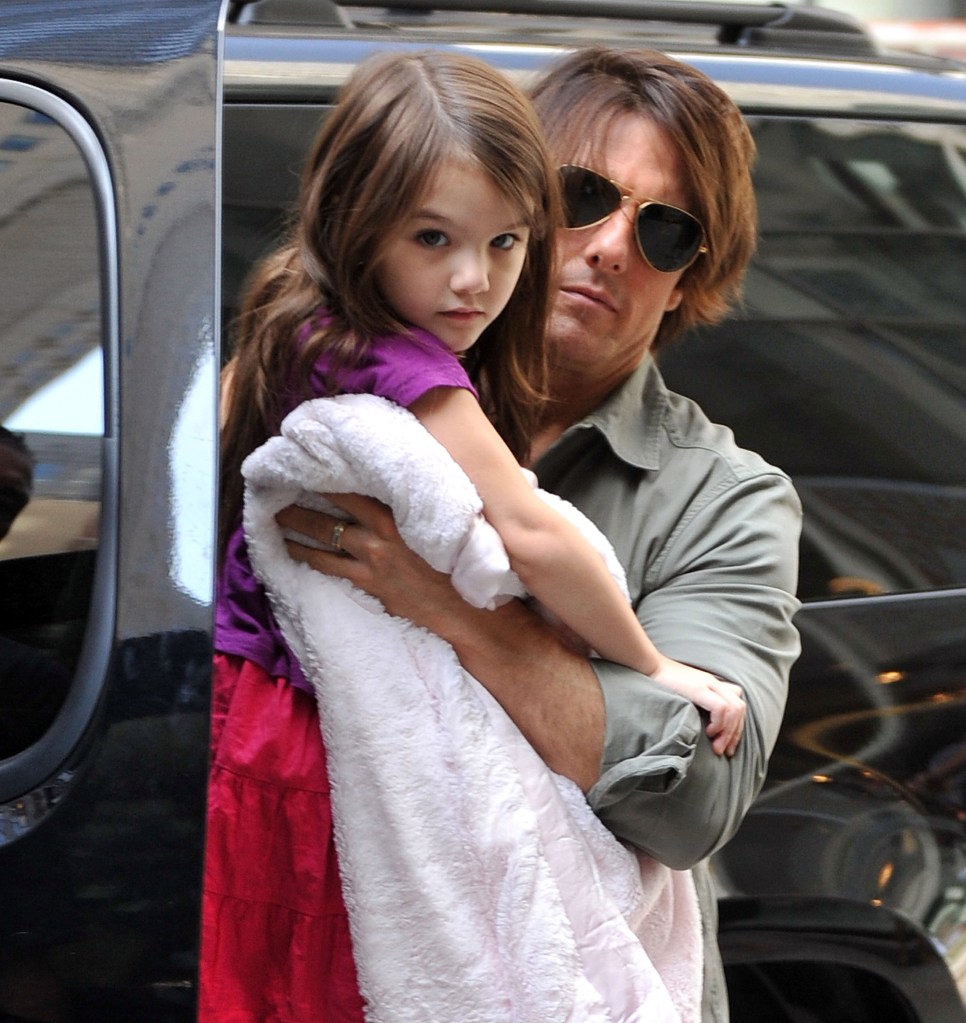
(275, 945)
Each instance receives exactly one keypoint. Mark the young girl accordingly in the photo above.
(419, 269)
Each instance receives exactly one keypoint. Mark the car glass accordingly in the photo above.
(846, 365)
(51, 417)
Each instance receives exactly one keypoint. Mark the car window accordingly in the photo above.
(51, 413)
(846, 365)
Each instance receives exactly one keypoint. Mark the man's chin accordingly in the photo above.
(570, 344)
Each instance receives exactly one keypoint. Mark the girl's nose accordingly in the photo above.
(470, 275)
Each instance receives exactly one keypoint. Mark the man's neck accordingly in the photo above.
(568, 404)
(544, 438)
(573, 396)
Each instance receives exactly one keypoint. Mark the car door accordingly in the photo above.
(108, 373)
(845, 367)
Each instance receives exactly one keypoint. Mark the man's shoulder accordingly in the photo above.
(689, 432)
(657, 430)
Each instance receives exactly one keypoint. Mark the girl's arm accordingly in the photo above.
(557, 564)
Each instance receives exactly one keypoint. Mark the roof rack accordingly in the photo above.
(780, 25)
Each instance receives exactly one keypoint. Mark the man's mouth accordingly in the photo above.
(597, 296)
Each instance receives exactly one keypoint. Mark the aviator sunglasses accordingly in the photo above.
(668, 238)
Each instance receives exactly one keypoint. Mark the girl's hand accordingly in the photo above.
(723, 700)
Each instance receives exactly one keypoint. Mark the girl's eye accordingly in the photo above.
(504, 241)
(432, 238)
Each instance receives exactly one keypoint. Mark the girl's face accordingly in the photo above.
(452, 264)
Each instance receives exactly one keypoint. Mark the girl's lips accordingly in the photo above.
(463, 315)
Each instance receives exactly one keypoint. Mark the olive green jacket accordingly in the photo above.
(708, 535)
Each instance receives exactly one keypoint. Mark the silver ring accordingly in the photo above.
(337, 530)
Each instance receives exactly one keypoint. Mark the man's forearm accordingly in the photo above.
(549, 691)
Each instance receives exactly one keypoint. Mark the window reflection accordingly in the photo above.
(847, 365)
(52, 420)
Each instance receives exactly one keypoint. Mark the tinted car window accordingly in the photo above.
(846, 364)
(51, 417)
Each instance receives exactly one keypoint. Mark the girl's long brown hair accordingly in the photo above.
(399, 117)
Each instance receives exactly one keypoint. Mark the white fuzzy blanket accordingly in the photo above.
(480, 886)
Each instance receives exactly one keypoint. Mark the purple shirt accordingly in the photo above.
(397, 367)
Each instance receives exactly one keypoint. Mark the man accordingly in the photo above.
(707, 532)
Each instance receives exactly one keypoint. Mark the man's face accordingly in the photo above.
(610, 302)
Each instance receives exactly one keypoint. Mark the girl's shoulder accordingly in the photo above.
(402, 367)
(415, 345)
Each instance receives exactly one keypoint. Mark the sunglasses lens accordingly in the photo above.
(669, 238)
(588, 198)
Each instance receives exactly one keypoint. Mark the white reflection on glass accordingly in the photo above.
(71, 403)
(192, 457)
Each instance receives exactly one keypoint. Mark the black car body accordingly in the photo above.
(147, 155)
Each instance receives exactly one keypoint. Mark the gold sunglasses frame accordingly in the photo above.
(625, 193)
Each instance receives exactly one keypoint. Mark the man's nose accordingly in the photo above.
(611, 245)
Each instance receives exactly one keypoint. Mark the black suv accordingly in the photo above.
(147, 156)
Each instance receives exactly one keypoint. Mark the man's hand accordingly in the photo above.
(371, 554)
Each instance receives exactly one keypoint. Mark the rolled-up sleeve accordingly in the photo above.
(720, 595)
